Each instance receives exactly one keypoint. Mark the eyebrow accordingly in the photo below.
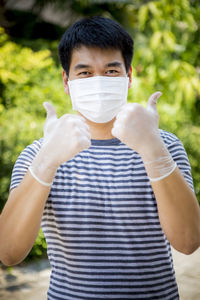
(111, 64)
(114, 64)
(81, 66)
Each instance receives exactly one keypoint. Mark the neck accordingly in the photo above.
(101, 131)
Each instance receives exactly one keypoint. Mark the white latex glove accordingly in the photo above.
(64, 137)
(137, 127)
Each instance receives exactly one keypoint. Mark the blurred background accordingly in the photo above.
(167, 58)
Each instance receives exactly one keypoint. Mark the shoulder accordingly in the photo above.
(178, 154)
(35, 146)
(32, 149)
(27, 155)
(168, 137)
(173, 143)
(23, 162)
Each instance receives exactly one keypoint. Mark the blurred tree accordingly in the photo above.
(167, 58)
(27, 79)
(67, 12)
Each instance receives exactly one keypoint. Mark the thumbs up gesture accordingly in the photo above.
(64, 137)
(137, 127)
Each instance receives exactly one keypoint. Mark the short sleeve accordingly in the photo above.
(179, 155)
(23, 163)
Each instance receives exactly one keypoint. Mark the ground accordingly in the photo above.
(30, 281)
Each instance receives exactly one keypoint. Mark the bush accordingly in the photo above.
(27, 79)
(167, 59)
(163, 61)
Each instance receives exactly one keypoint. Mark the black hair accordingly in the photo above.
(98, 32)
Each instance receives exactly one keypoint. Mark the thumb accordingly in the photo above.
(51, 113)
(152, 101)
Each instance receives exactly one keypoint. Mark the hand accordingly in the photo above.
(64, 137)
(137, 127)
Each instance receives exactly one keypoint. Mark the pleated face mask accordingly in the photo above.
(99, 98)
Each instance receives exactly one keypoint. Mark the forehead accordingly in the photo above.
(94, 56)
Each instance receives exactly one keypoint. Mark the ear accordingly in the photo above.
(65, 82)
(130, 77)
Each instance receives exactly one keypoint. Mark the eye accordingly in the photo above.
(84, 73)
(112, 71)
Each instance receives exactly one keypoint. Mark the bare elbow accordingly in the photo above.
(194, 246)
(9, 261)
(189, 247)
(190, 250)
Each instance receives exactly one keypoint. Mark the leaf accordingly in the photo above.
(169, 40)
(156, 40)
(143, 16)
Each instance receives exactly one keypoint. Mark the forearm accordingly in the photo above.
(20, 220)
(21, 217)
(178, 211)
(178, 208)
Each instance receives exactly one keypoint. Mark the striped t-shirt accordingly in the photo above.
(101, 224)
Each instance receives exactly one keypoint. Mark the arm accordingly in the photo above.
(21, 217)
(178, 208)
(178, 212)
(20, 220)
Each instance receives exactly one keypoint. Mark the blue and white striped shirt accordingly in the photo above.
(102, 227)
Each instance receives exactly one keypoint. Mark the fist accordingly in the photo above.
(64, 137)
(137, 126)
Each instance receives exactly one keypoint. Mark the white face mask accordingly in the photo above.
(99, 98)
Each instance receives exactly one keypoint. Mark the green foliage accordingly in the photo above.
(167, 38)
(167, 35)
(27, 79)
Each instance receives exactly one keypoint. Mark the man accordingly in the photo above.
(111, 189)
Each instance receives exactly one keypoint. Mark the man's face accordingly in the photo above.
(88, 62)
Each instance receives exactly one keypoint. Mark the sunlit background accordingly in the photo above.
(167, 58)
